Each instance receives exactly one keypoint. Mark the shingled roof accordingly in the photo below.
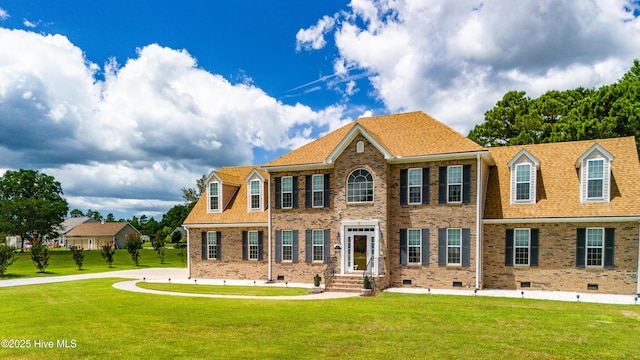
(558, 181)
(97, 229)
(401, 135)
(236, 211)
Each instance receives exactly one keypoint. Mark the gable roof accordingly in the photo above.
(71, 222)
(397, 136)
(99, 229)
(558, 181)
(236, 211)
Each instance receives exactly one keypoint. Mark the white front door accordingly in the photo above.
(360, 248)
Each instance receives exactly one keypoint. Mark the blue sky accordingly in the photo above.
(126, 102)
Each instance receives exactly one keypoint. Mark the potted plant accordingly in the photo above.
(366, 285)
(316, 284)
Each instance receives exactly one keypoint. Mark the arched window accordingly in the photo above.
(360, 186)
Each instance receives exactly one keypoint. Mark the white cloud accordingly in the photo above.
(28, 23)
(454, 60)
(313, 37)
(4, 15)
(154, 124)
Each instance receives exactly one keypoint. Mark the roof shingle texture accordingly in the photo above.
(558, 181)
(97, 229)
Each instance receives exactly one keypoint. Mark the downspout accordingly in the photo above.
(188, 254)
(269, 276)
(478, 221)
(638, 285)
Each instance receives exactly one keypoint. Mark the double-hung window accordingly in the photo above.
(595, 246)
(318, 245)
(523, 182)
(212, 245)
(454, 184)
(255, 194)
(287, 245)
(214, 196)
(521, 244)
(414, 246)
(454, 246)
(287, 192)
(253, 245)
(318, 190)
(415, 186)
(595, 178)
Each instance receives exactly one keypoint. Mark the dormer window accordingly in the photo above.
(523, 178)
(595, 174)
(214, 196)
(255, 195)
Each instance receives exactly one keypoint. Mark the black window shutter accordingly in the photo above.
(308, 187)
(204, 246)
(308, 246)
(278, 192)
(219, 245)
(442, 246)
(508, 248)
(295, 246)
(327, 190)
(403, 247)
(278, 246)
(244, 246)
(609, 239)
(426, 179)
(535, 247)
(466, 247)
(404, 184)
(442, 186)
(466, 184)
(580, 247)
(326, 245)
(425, 246)
(260, 245)
(295, 192)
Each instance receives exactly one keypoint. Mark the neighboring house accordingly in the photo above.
(414, 203)
(90, 236)
(69, 224)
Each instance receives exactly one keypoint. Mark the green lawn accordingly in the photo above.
(225, 290)
(61, 263)
(110, 323)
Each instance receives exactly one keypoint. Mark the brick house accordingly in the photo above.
(413, 203)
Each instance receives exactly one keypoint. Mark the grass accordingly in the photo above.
(110, 323)
(61, 263)
(225, 290)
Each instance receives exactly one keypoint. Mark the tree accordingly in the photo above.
(31, 205)
(78, 256)
(40, 255)
(76, 213)
(175, 216)
(158, 245)
(94, 214)
(7, 257)
(192, 195)
(578, 114)
(111, 217)
(108, 251)
(133, 246)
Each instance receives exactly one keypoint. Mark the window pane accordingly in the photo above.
(596, 169)
(360, 186)
(595, 242)
(255, 187)
(521, 237)
(212, 245)
(253, 245)
(415, 177)
(454, 246)
(287, 183)
(318, 182)
(287, 245)
(594, 188)
(523, 172)
(453, 237)
(454, 175)
(213, 189)
(318, 242)
(414, 245)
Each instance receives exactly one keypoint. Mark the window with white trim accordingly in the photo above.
(318, 190)
(360, 186)
(318, 245)
(414, 186)
(454, 246)
(252, 241)
(521, 243)
(287, 245)
(454, 184)
(287, 192)
(255, 194)
(414, 246)
(214, 196)
(523, 182)
(212, 245)
(595, 179)
(595, 247)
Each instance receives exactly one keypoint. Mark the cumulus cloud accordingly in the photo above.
(3, 14)
(454, 60)
(151, 126)
(313, 37)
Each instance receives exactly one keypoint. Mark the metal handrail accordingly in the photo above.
(369, 272)
(329, 272)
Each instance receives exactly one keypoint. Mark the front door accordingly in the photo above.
(360, 246)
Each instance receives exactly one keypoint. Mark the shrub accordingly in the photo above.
(40, 255)
(7, 257)
(134, 245)
(78, 256)
(108, 250)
